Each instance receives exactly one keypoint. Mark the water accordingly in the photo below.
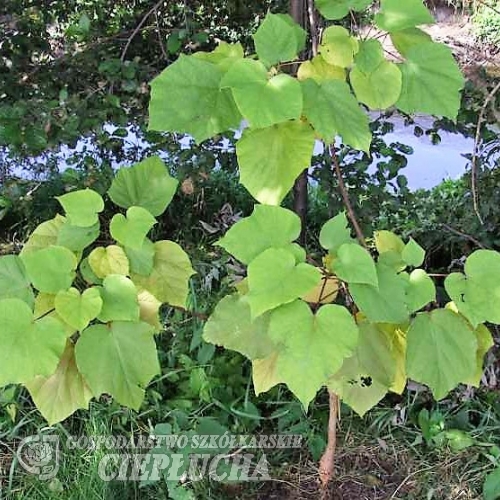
(428, 166)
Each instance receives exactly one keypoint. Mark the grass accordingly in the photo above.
(383, 456)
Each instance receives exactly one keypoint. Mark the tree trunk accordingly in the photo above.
(298, 10)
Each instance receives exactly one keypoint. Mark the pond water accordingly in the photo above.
(427, 166)
(431, 164)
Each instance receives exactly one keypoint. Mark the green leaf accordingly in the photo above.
(87, 274)
(45, 235)
(319, 70)
(169, 279)
(337, 9)
(332, 109)
(395, 15)
(491, 487)
(147, 184)
(271, 159)
(45, 307)
(131, 230)
(354, 264)
(141, 260)
(262, 101)
(484, 343)
(335, 233)
(59, 395)
(231, 326)
(223, 56)
(376, 354)
(109, 260)
(420, 290)
(119, 299)
(107, 356)
(149, 310)
(265, 373)
(186, 97)
(404, 40)
(76, 309)
(274, 279)
(338, 47)
(431, 81)
(51, 269)
(311, 347)
(278, 39)
(477, 293)
(376, 81)
(385, 304)
(441, 351)
(355, 387)
(267, 227)
(14, 281)
(413, 254)
(82, 207)
(390, 249)
(28, 348)
(77, 238)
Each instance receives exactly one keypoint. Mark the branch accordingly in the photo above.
(345, 197)
(477, 140)
(138, 28)
(194, 314)
(464, 235)
(486, 4)
(313, 27)
(327, 462)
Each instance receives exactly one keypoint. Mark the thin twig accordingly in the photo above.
(345, 197)
(464, 235)
(194, 314)
(139, 27)
(160, 41)
(407, 478)
(477, 141)
(50, 311)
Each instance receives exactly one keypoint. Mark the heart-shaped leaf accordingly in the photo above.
(131, 230)
(78, 310)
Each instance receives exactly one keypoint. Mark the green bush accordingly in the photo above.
(486, 21)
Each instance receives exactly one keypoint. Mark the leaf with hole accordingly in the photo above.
(311, 348)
